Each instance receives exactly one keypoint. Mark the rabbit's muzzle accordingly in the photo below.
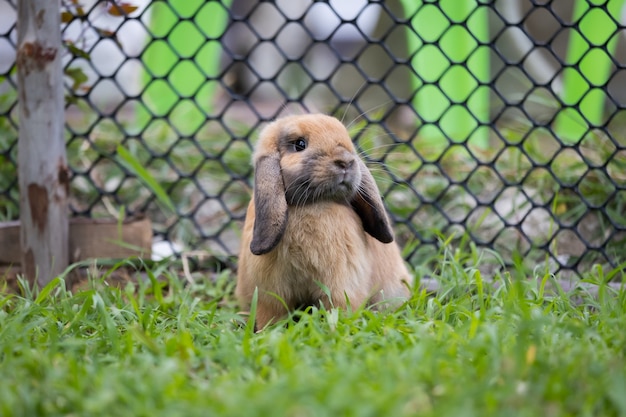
(323, 177)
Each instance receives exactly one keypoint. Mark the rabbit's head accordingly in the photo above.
(305, 160)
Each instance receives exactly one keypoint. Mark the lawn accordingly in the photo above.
(162, 346)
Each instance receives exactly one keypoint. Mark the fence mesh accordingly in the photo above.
(500, 122)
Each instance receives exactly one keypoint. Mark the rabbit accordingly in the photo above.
(315, 225)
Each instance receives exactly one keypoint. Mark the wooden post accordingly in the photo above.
(42, 164)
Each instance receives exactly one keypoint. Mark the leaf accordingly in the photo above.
(45, 292)
(121, 9)
(66, 17)
(69, 100)
(104, 33)
(78, 77)
(76, 51)
(109, 34)
(134, 165)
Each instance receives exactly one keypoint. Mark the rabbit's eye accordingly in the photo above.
(299, 144)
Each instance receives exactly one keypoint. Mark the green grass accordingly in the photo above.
(160, 348)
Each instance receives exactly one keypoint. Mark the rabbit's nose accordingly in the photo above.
(344, 163)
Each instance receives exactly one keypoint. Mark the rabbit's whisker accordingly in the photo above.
(369, 127)
(303, 185)
(368, 111)
(364, 152)
(345, 112)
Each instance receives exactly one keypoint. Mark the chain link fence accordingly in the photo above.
(500, 123)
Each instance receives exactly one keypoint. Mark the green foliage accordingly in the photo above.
(513, 346)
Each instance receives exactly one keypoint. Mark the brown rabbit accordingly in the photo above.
(316, 217)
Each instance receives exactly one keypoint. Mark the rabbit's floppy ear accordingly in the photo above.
(270, 205)
(369, 206)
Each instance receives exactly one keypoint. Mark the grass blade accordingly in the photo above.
(133, 164)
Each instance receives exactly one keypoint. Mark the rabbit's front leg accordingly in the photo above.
(268, 310)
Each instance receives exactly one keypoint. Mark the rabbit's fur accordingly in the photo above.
(316, 217)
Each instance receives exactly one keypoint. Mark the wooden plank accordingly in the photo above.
(89, 239)
(10, 248)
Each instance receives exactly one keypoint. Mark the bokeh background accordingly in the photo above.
(495, 125)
